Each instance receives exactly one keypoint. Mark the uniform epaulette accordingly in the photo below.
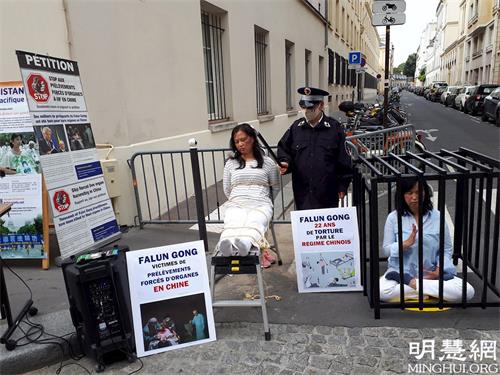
(301, 123)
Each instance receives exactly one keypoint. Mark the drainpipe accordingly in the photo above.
(68, 29)
(326, 25)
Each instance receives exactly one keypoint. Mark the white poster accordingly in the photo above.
(21, 230)
(170, 296)
(82, 211)
(326, 244)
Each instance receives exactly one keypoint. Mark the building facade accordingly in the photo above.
(156, 73)
(481, 21)
(425, 52)
(351, 30)
(446, 34)
(465, 41)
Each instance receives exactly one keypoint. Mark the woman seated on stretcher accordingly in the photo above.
(248, 176)
(390, 281)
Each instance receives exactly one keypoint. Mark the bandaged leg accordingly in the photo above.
(244, 229)
(243, 246)
(226, 247)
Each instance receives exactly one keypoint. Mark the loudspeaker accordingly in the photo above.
(99, 299)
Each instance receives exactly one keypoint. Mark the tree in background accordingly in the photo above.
(3, 229)
(410, 65)
(399, 69)
(421, 75)
(27, 228)
(38, 221)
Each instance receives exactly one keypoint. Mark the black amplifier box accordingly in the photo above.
(99, 299)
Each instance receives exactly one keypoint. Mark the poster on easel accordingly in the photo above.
(81, 208)
(170, 297)
(21, 230)
(326, 246)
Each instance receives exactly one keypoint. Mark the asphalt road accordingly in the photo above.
(452, 128)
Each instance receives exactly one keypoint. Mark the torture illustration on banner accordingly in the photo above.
(21, 230)
(326, 245)
(83, 215)
(170, 297)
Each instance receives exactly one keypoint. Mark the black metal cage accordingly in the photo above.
(464, 187)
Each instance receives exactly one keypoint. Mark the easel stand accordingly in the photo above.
(6, 312)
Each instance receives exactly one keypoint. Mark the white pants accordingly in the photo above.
(244, 228)
(452, 290)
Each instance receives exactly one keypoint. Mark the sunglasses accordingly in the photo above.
(307, 105)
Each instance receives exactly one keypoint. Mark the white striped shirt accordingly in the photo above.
(250, 185)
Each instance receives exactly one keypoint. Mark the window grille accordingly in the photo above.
(308, 68)
(261, 71)
(288, 73)
(214, 66)
(331, 67)
(342, 71)
(337, 69)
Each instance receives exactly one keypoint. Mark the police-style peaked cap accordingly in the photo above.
(311, 96)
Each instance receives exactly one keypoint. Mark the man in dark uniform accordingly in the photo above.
(313, 150)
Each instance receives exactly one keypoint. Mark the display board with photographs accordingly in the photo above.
(83, 214)
(326, 245)
(21, 229)
(170, 297)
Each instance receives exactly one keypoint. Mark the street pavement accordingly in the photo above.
(314, 333)
(302, 349)
(452, 128)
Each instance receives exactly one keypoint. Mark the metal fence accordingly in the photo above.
(164, 186)
(463, 180)
(397, 140)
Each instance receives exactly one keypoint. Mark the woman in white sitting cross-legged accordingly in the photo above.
(248, 176)
(390, 281)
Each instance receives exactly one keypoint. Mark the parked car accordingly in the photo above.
(435, 94)
(474, 103)
(447, 92)
(462, 96)
(491, 109)
(433, 88)
(452, 94)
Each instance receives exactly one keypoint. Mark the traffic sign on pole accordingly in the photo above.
(381, 19)
(390, 6)
(354, 57)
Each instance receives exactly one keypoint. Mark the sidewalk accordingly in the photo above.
(311, 333)
(294, 349)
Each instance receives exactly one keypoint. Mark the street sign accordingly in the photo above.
(388, 19)
(355, 57)
(353, 66)
(389, 7)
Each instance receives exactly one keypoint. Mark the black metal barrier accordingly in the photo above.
(466, 184)
(165, 186)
